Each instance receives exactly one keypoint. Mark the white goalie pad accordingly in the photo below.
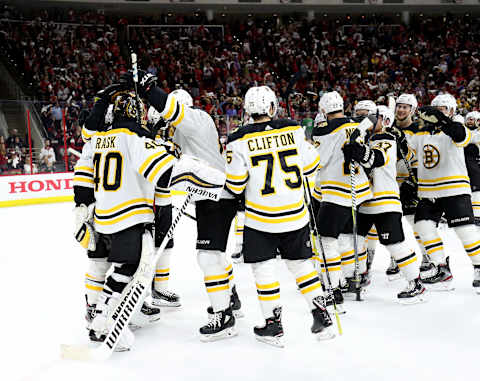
(196, 176)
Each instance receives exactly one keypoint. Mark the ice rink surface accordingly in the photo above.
(43, 307)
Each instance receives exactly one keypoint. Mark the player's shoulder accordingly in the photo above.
(334, 125)
(254, 128)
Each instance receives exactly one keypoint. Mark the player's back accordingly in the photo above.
(268, 160)
(126, 168)
(333, 177)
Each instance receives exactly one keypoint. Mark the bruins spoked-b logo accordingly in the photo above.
(431, 156)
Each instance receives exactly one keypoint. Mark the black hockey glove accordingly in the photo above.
(82, 117)
(454, 130)
(146, 82)
(409, 194)
(360, 153)
(109, 93)
(400, 139)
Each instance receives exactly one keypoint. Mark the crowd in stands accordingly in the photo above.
(66, 61)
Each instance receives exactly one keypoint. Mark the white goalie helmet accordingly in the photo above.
(368, 105)
(446, 100)
(261, 100)
(388, 117)
(408, 99)
(183, 97)
(330, 102)
(109, 115)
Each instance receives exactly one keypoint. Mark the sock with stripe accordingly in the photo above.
(307, 278)
(333, 265)
(95, 278)
(238, 229)
(406, 259)
(470, 237)
(410, 219)
(345, 245)
(427, 230)
(268, 287)
(162, 271)
(372, 239)
(215, 277)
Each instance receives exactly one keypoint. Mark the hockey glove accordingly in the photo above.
(409, 196)
(84, 232)
(173, 149)
(146, 81)
(109, 93)
(360, 153)
(400, 139)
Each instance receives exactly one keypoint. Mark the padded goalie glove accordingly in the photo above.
(361, 153)
(146, 81)
(84, 232)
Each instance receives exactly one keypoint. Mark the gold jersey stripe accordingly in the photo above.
(274, 208)
(125, 216)
(123, 204)
(180, 117)
(159, 166)
(275, 220)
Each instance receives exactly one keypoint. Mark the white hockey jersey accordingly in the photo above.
(268, 161)
(126, 169)
(441, 164)
(332, 183)
(386, 194)
(83, 171)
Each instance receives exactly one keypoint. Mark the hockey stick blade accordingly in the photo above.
(83, 353)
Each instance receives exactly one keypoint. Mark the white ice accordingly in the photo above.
(43, 306)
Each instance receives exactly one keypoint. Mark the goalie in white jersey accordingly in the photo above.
(127, 165)
(444, 186)
(194, 131)
(267, 161)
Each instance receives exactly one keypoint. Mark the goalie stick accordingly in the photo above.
(353, 187)
(131, 298)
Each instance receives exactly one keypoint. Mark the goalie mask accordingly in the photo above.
(261, 101)
(125, 109)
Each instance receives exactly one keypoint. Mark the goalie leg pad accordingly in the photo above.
(470, 237)
(268, 287)
(427, 230)
(216, 278)
(307, 278)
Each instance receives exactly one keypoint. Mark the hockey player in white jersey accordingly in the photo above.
(125, 166)
(379, 157)
(364, 108)
(267, 162)
(334, 218)
(444, 187)
(194, 131)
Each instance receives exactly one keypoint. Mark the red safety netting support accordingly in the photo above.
(30, 140)
(65, 154)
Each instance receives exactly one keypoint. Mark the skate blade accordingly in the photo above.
(273, 341)
(162, 303)
(441, 286)
(394, 277)
(225, 334)
(75, 352)
(415, 300)
(238, 314)
(326, 334)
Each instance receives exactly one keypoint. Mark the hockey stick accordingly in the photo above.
(74, 152)
(132, 296)
(135, 81)
(316, 238)
(354, 218)
(185, 213)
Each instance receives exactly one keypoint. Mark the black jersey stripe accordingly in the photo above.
(119, 213)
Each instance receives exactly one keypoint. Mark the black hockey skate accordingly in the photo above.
(147, 315)
(427, 268)
(235, 304)
(272, 332)
(442, 278)
(393, 271)
(476, 278)
(165, 298)
(220, 326)
(338, 297)
(322, 323)
(414, 293)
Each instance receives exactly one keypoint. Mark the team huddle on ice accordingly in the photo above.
(366, 171)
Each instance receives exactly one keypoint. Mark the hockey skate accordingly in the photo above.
(145, 316)
(165, 298)
(89, 312)
(338, 297)
(221, 326)
(235, 304)
(272, 332)
(237, 257)
(393, 271)
(476, 278)
(414, 293)
(349, 288)
(427, 268)
(442, 278)
(322, 323)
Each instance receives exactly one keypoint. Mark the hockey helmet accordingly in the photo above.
(472, 119)
(320, 120)
(183, 97)
(387, 115)
(459, 118)
(367, 105)
(408, 99)
(125, 108)
(446, 100)
(261, 100)
(330, 102)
